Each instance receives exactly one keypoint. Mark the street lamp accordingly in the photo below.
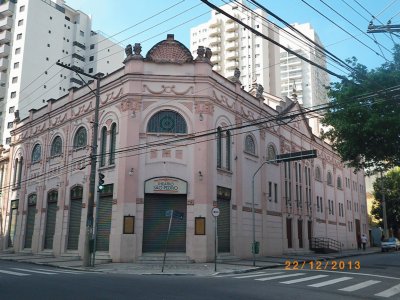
(279, 158)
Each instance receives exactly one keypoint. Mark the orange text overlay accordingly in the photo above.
(332, 265)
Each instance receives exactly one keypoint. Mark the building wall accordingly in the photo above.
(130, 96)
(42, 33)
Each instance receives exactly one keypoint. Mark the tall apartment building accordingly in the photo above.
(233, 46)
(308, 81)
(34, 35)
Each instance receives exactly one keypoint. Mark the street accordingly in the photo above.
(378, 277)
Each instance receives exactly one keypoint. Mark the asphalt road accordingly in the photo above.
(378, 277)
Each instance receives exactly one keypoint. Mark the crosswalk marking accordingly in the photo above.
(390, 292)
(33, 271)
(13, 273)
(329, 282)
(359, 286)
(279, 277)
(258, 275)
(303, 279)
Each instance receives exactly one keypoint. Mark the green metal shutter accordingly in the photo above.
(155, 223)
(13, 224)
(30, 224)
(74, 226)
(104, 223)
(50, 225)
(224, 226)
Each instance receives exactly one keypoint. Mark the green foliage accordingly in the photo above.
(391, 188)
(364, 118)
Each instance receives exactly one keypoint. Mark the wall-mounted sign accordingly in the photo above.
(165, 185)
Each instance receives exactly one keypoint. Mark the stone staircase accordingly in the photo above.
(171, 258)
(102, 257)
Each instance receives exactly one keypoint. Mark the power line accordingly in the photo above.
(319, 47)
(333, 22)
(269, 39)
(348, 21)
(205, 133)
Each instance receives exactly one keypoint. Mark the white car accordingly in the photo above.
(390, 244)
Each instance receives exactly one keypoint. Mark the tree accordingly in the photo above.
(391, 188)
(363, 119)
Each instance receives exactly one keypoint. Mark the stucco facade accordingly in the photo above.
(173, 134)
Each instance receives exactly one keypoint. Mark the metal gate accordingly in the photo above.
(13, 222)
(155, 223)
(224, 225)
(74, 226)
(50, 219)
(30, 220)
(104, 219)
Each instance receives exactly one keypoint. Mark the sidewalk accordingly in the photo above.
(196, 269)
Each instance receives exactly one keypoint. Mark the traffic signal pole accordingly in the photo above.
(93, 156)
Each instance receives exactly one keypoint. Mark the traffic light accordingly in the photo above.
(101, 182)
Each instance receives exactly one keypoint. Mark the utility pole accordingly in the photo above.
(383, 28)
(93, 155)
(384, 216)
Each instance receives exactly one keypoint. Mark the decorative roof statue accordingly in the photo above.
(259, 91)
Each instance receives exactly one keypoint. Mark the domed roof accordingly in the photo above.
(169, 51)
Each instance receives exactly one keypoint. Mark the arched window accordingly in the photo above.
(228, 150)
(80, 139)
(167, 121)
(329, 178)
(271, 152)
(219, 147)
(77, 192)
(318, 173)
(113, 140)
(36, 153)
(339, 182)
(103, 146)
(250, 145)
(56, 146)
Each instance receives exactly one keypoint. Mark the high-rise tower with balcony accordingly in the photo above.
(308, 81)
(34, 35)
(234, 46)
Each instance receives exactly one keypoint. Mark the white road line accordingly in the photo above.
(303, 279)
(332, 281)
(279, 277)
(258, 275)
(232, 275)
(62, 271)
(14, 273)
(33, 271)
(389, 292)
(359, 286)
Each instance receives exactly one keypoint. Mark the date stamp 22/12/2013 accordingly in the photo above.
(332, 265)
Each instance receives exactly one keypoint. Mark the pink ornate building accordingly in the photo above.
(173, 134)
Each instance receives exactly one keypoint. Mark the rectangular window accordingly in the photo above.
(22, 8)
(276, 192)
(11, 109)
(14, 79)
(17, 50)
(20, 22)
(10, 125)
(91, 58)
(270, 191)
(8, 141)
(92, 46)
(91, 70)
(19, 36)
(13, 94)
(81, 33)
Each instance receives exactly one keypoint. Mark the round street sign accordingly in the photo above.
(215, 211)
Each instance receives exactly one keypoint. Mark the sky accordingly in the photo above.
(149, 21)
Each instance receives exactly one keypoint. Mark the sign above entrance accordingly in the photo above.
(165, 185)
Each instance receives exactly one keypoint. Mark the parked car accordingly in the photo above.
(390, 244)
